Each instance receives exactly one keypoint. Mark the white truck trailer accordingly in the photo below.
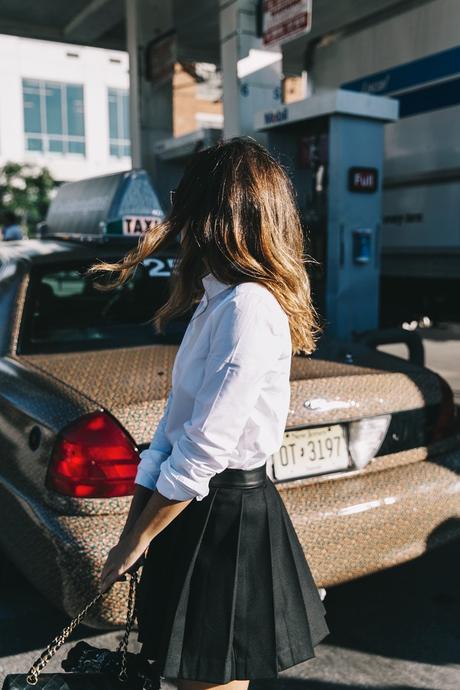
(414, 56)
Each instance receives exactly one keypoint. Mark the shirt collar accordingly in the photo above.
(212, 285)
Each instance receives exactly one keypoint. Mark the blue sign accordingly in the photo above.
(429, 83)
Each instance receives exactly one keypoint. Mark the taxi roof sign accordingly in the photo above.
(121, 205)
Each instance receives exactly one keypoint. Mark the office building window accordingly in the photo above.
(53, 117)
(119, 142)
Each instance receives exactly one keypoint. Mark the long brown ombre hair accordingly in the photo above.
(235, 204)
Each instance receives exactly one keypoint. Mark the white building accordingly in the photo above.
(64, 106)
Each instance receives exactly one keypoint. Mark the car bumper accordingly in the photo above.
(394, 510)
(349, 525)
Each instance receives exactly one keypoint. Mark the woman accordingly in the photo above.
(226, 594)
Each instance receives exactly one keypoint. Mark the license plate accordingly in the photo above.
(311, 451)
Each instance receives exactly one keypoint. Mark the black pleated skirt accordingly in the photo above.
(226, 592)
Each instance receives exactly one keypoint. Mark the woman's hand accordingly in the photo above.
(138, 532)
(125, 556)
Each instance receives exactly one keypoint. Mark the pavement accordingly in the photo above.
(398, 629)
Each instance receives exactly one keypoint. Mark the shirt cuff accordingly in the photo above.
(148, 468)
(176, 486)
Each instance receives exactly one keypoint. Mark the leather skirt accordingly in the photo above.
(226, 592)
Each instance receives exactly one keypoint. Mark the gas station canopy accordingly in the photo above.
(101, 23)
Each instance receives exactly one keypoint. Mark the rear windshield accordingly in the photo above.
(64, 312)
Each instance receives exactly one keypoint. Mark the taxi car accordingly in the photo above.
(368, 470)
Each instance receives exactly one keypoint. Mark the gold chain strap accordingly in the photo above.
(58, 641)
(130, 616)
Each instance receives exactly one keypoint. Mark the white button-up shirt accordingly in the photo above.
(230, 393)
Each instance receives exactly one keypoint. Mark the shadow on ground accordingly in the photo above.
(409, 612)
(297, 684)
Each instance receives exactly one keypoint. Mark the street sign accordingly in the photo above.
(283, 20)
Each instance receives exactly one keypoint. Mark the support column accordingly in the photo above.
(251, 72)
(151, 105)
(134, 109)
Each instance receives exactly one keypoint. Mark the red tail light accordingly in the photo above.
(93, 458)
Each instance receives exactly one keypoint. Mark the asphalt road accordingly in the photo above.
(397, 629)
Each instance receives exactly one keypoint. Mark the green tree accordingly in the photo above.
(26, 190)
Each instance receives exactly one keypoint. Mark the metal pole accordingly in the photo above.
(131, 14)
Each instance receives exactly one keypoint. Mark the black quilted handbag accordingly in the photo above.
(87, 667)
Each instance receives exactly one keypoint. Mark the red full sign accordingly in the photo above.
(362, 179)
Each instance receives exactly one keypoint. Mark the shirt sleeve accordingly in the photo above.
(150, 459)
(244, 347)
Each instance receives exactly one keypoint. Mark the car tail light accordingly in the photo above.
(93, 458)
(446, 422)
(365, 436)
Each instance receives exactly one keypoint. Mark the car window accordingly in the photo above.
(64, 312)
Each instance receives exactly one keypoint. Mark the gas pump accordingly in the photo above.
(332, 146)
(173, 154)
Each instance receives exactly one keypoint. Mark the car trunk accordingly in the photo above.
(132, 383)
